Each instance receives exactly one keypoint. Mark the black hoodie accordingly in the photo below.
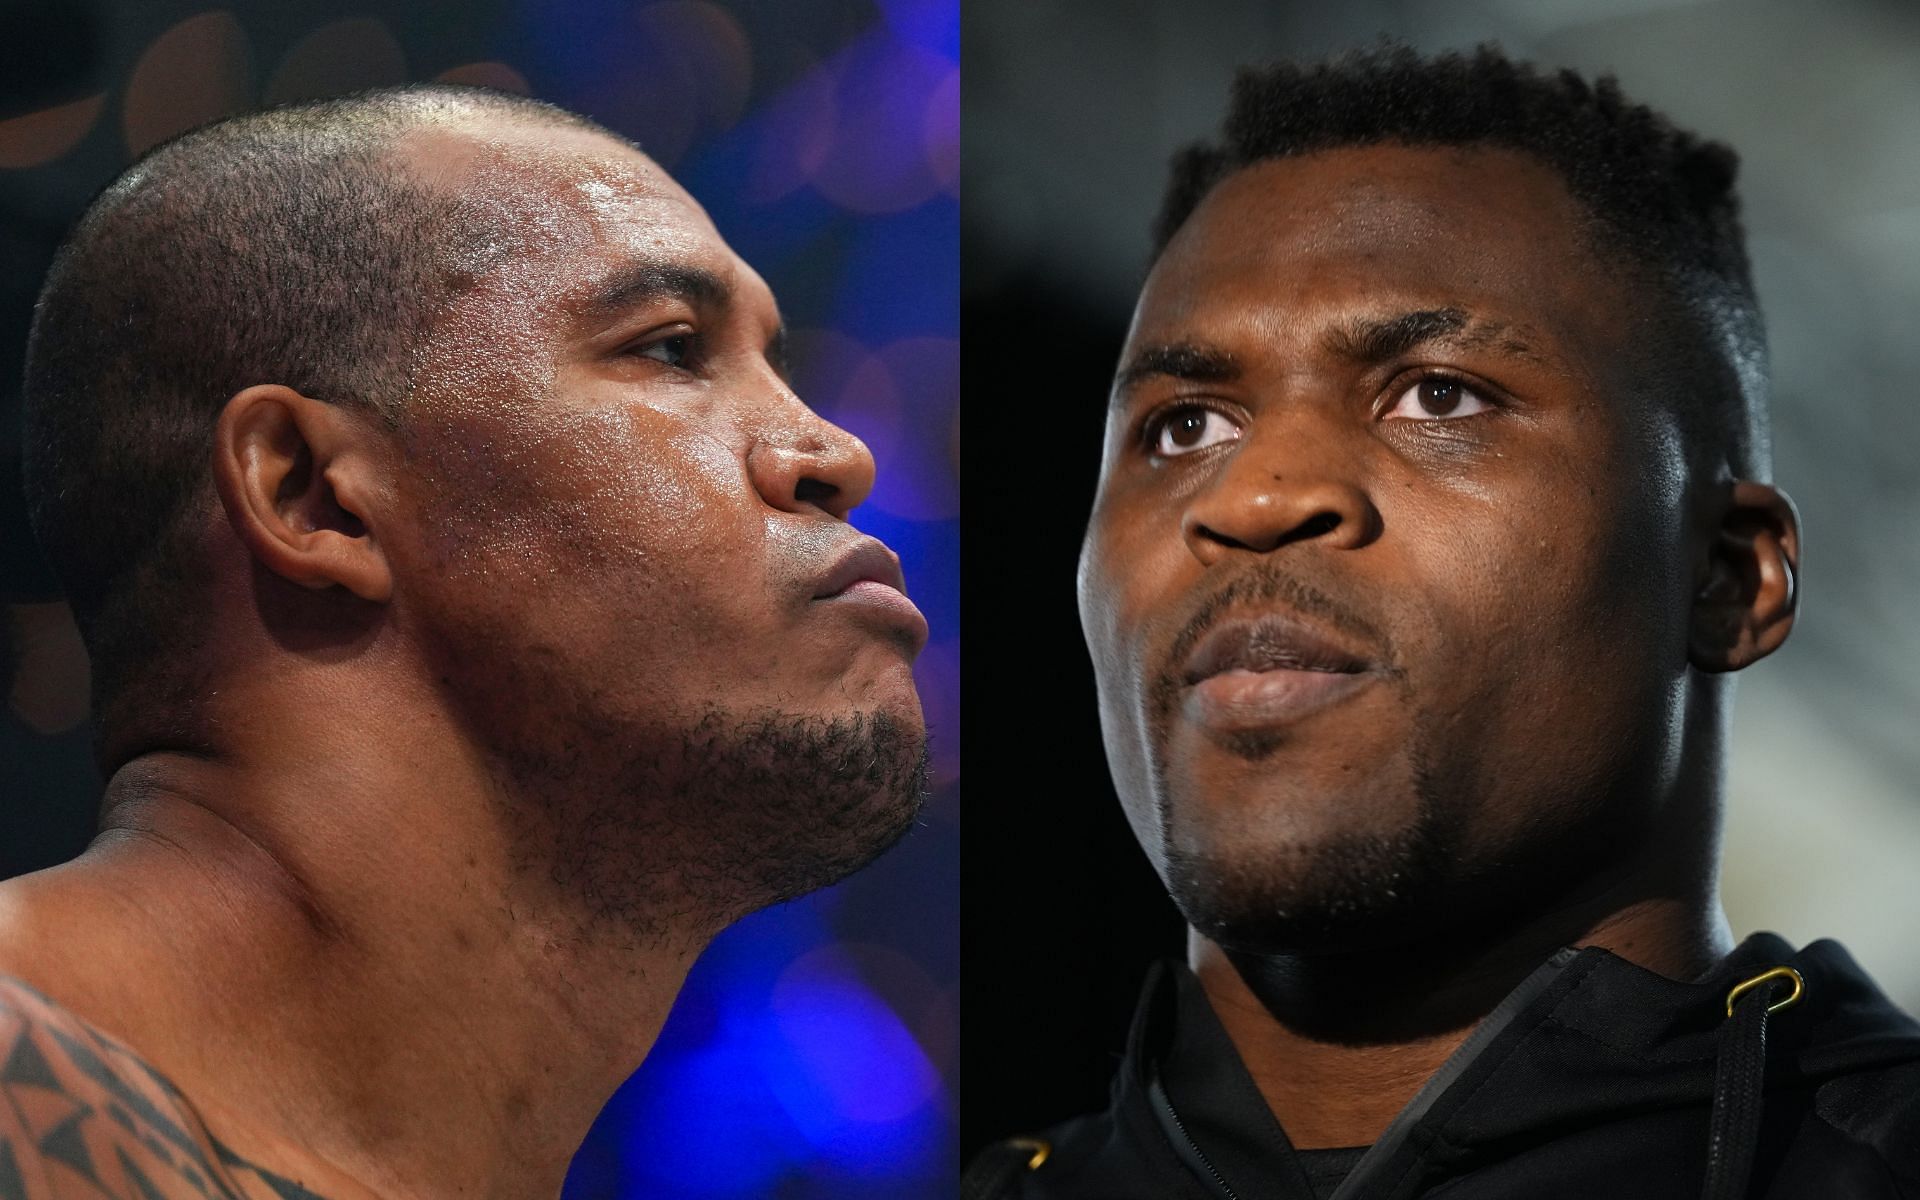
(1595, 1077)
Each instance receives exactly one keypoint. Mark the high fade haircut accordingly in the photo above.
(1659, 198)
(283, 246)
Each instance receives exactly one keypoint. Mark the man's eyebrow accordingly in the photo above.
(641, 283)
(1176, 360)
(1379, 339)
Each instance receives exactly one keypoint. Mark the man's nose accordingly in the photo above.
(1284, 484)
(799, 460)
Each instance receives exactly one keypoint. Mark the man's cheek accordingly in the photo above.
(1124, 587)
(655, 495)
(690, 493)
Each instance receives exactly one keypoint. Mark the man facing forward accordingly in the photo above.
(476, 632)
(1432, 523)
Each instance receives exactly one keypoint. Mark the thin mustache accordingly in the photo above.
(1268, 586)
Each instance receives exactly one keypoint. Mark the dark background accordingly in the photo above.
(813, 1053)
(1072, 112)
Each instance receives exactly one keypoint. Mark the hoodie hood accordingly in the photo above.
(1594, 1076)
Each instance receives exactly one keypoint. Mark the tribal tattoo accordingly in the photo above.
(82, 1117)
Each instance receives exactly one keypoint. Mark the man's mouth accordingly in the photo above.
(867, 579)
(866, 561)
(1257, 672)
(1273, 642)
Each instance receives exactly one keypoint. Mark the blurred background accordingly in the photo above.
(813, 1052)
(1072, 112)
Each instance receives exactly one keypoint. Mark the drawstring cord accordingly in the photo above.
(992, 1175)
(1739, 1091)
(1739, 1082)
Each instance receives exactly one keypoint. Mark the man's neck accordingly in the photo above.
(356, 987)
(1338, 1045)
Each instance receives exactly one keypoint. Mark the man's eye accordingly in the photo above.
(674, 351)
(1185, 430)
(1436, 398)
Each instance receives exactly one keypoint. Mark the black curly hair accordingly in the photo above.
(1659, 197)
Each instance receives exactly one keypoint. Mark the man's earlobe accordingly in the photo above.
(295, 480)
(1744, 605)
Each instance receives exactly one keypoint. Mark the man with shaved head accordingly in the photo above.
(476, 631)
(1434, 521)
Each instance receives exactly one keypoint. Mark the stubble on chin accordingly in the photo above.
(1294, 899)
(702, 823)
(1258, 891)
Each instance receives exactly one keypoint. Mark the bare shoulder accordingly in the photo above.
(83, 1116)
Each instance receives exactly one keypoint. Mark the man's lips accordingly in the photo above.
(868, 577)
(867, 560)
(1256, 672)
(1271, 642)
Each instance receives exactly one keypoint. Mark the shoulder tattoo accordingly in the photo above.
(83, 1118)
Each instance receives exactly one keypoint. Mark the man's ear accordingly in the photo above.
(1745, 603)
(297, 477)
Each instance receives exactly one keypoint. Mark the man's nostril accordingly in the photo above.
(1317, 525)
(814, 491)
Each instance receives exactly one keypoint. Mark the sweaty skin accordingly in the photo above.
(506, 711)
(1390, 439)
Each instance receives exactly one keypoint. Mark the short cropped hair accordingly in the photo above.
(282, 246)
(1659, 197)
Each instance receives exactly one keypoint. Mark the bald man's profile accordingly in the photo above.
(476, 631)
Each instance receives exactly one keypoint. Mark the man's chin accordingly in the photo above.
(875, 812)
(1339, 896)
(829, 796)
(731, 812)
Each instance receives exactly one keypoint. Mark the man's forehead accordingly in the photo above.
(535, 190)
(559, 227)
(1379, 229)
(1361, 190)
(467, 148)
